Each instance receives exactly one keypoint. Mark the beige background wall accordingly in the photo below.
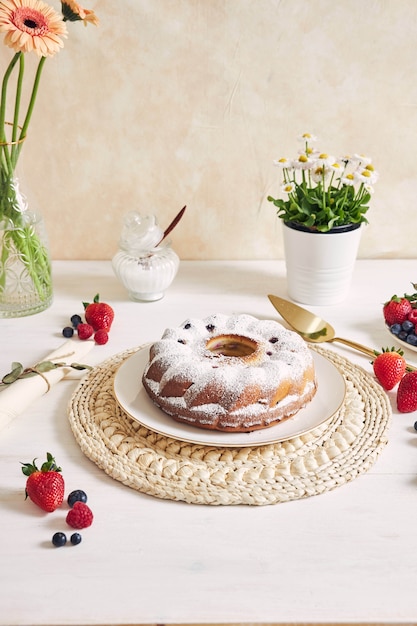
(173, 102)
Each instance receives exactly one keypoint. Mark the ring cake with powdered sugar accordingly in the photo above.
(230, 373)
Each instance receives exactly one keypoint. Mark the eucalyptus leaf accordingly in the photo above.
(11, 377)
(45, 366)
(79, 366)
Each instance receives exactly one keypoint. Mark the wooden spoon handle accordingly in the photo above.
(173, 224)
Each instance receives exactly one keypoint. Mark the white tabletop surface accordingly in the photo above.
(349, 555)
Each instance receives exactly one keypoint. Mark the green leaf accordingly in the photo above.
(11, 377)
(46, 366)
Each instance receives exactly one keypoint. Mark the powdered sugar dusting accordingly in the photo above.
(243, 386)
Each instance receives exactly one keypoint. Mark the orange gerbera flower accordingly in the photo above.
(31, 25)
(72, 11)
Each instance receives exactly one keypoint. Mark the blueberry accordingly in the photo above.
(395, 329)
(415, 425)
(412, 339)
(75, 320)
(407, 326)
(76, 496)
(210, 327)
(188, 325)
(75, 539)
(68, 331)
(59, 540)
(402, 335)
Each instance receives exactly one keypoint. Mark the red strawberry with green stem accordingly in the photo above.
(396, 310)
(99, 315)
(407, 393)
(45, 487)
(389, 367)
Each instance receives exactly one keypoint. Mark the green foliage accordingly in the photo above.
(18, 372)
(323, 209)
(323, 192)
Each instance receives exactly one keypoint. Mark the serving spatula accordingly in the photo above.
(313, 328)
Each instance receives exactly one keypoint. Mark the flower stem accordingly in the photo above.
(32, 98)
(3, 101)
(17, 107)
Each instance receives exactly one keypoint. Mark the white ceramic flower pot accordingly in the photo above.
(320, 265)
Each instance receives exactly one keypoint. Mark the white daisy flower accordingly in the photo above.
(337, 166)
(288, 187)
(282, 162)
(303, 162)
(375, 174)
(362, 159)
(369, 189)
(325, 159)
(349, 180)
(319, 173)
(307, 137)
(366, 176)
(313, 153)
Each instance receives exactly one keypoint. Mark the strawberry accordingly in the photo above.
(396, 310)
(389, 367)
(80, 516)
(85, 331)
(407, 393)
(99, 314)
(45, 487)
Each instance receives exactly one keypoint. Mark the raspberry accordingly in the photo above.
(412, 316)
(80, 516)
(84, 331)
(101, 337)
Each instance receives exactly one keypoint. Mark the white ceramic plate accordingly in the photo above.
(403, 344)
(134, 400)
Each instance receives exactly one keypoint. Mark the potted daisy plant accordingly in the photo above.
(324, 204)
(29, 27)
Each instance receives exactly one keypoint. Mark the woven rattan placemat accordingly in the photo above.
(331, 455)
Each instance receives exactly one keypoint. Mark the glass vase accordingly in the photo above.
(25, 263)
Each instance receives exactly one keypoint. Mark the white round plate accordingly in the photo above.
(134, 400)
(403, 344)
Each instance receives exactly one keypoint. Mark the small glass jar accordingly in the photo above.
(144, 265)
(146, 275)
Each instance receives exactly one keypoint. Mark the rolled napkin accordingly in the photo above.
(17, 396)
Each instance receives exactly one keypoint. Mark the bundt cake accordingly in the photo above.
(230, 373)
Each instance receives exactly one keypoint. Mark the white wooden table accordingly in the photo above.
(349, 555)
